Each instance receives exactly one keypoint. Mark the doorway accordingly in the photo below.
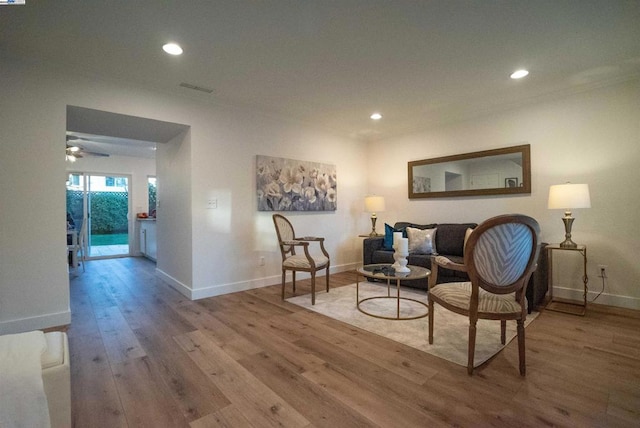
(452, 181)
(102, 201)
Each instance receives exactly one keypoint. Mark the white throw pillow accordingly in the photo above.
(466, 238)
(421, 241)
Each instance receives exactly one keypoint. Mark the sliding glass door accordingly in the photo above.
(102, 201)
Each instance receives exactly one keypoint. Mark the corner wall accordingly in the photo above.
(206, 252)
(591, 137)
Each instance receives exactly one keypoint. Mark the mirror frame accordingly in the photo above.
(524, 150)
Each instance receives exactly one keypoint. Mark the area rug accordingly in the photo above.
(450, 333)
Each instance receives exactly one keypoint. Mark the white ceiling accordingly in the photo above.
(113, 146)
(333, 63)
(117, 134)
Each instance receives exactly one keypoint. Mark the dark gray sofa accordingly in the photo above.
(449, 242)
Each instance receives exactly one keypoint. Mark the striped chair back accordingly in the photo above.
(502, 252)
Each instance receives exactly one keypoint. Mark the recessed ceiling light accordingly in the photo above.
(519, 74)
(376, 116)
(172, 49)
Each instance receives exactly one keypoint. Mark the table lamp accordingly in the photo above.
(374, 204)
(568, 196)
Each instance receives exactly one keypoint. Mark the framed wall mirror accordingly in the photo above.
(503, 171)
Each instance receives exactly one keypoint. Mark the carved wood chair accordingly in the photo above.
(500, 255)
(306, 262)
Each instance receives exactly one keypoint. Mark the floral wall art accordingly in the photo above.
(294, 185)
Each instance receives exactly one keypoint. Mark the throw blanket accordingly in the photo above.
(23, 402)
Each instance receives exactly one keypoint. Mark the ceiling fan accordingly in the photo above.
(75, 149)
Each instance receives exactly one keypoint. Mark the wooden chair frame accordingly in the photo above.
(519, 287)
(288, 249)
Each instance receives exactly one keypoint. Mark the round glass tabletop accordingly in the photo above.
(386, 271)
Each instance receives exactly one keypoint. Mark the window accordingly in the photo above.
(152, 187)
(74, 180)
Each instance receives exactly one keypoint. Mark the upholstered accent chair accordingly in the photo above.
(500, 255)
(300, 262)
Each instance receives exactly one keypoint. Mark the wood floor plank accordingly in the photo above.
(625, 407)
(144, 396)
(374, 406)
(119, 340)
(190, 389)
(264, 335)
(222, 335)
(411, 400)
(144, 293)
(259, 404)
(95, 401)
(252, 359)
(128, 303)
(83, 320)
(319, 406)
(227, 417)
(391, 355)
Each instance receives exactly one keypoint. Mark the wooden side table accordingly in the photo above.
(563, 305)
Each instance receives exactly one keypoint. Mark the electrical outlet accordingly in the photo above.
(261, 261)
(602, 271)
(212, 204)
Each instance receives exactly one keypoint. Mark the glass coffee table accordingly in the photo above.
(386, 272)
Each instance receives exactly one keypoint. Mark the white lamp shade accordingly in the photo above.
(567, 196)
(374, 204)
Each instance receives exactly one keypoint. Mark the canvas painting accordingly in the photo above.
(294, 185)
(421, 184)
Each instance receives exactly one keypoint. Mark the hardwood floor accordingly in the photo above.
(142, 355)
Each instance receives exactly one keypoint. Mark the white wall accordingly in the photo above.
(174, 222)
(591, 137)
(203, 252)
(34, 289)
(229, 241)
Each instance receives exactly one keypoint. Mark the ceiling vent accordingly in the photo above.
(196, 87)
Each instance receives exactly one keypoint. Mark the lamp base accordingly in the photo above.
(568, 243)
(373, 233)
(568, 221)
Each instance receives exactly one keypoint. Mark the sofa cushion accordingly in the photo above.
(382, 256)
(388, 235)
(421, 241)
(54, 354)
(450, 238)
(404, 225)
(423, 260)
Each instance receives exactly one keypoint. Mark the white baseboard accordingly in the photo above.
(35, 323)
(627, 302)
(217, 290)
(180, 287)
